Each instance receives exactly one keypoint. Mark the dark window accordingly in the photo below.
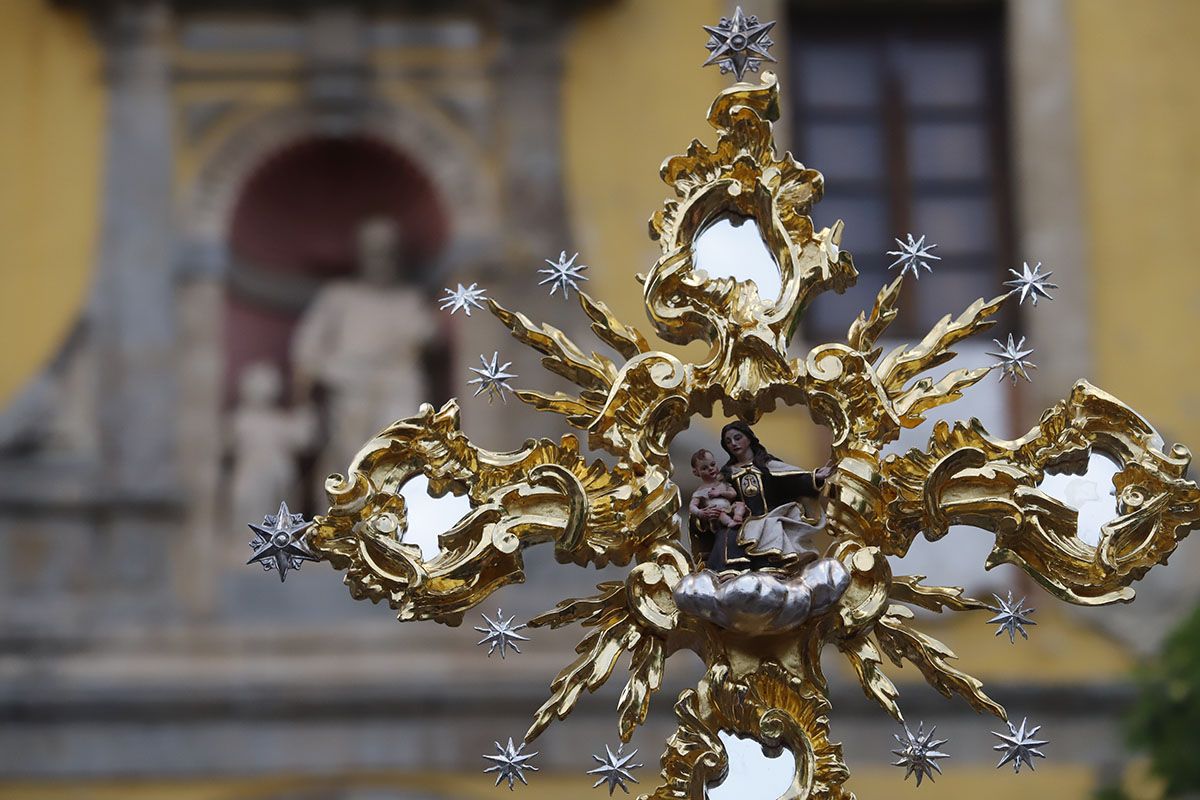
(902, 108)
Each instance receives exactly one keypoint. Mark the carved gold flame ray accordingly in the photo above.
(767, 687)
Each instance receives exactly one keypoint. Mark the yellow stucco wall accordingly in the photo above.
(633, 95)
(51, 141)
(1139, 110)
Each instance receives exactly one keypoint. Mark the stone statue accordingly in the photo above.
(361, 343)
(266, 442)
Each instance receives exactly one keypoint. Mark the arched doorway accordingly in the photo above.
(295, 241)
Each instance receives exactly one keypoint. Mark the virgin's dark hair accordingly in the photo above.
(759, 455)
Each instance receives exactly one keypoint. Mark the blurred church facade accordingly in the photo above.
(200, 187)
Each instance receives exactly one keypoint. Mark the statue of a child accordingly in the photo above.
(714, 493)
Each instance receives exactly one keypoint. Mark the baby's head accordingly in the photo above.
(704, 466)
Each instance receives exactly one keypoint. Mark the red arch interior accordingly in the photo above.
(299, 213)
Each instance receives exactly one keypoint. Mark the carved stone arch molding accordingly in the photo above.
(456, 165)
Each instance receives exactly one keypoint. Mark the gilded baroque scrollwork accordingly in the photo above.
(968, 477)
(768, 686)
(544, 492)
(774, 707)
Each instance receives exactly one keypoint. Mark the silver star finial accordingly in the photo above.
(493, 378)
(501, 633)
(279, 542)
(1019, 746)
(614, 769)
(913, 254)
(563, 273)
(1012, 617)
(739, 44)
(510, 764)
(1012, 359)
(1031, 283)
(463, 297)
(919, 753)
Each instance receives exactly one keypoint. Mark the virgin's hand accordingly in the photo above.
(710, 513)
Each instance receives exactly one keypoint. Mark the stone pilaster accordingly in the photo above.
(133, 297)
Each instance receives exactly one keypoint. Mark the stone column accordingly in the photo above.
(133, 301)
(1049, 194)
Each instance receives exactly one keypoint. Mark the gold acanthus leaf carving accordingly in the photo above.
(632, 411)
(866, 330)
(873, 621)
(637, 615)
(901, 642)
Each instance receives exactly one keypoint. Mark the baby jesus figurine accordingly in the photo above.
(714, 494)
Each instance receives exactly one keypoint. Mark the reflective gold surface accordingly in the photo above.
(769, 687)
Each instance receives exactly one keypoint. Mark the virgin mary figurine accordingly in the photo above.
(766, 572)
(776, 533)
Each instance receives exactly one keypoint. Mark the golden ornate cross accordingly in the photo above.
(765, 685)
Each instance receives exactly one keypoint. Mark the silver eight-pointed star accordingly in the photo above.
(463, 297)
(493, 378)
(1019, 746)
(278, 542)
(919, 753)
(913, 254)
(1013, 361)
(614, 769)
(1011, 617)
(739, 44)
(510, 765)
(563, 273)
(501, 634)
(1031, 283)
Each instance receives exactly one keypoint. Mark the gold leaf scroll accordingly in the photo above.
(625, 339)
(968, 477)
(866, 406)
(769, 705)
(544, 492)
